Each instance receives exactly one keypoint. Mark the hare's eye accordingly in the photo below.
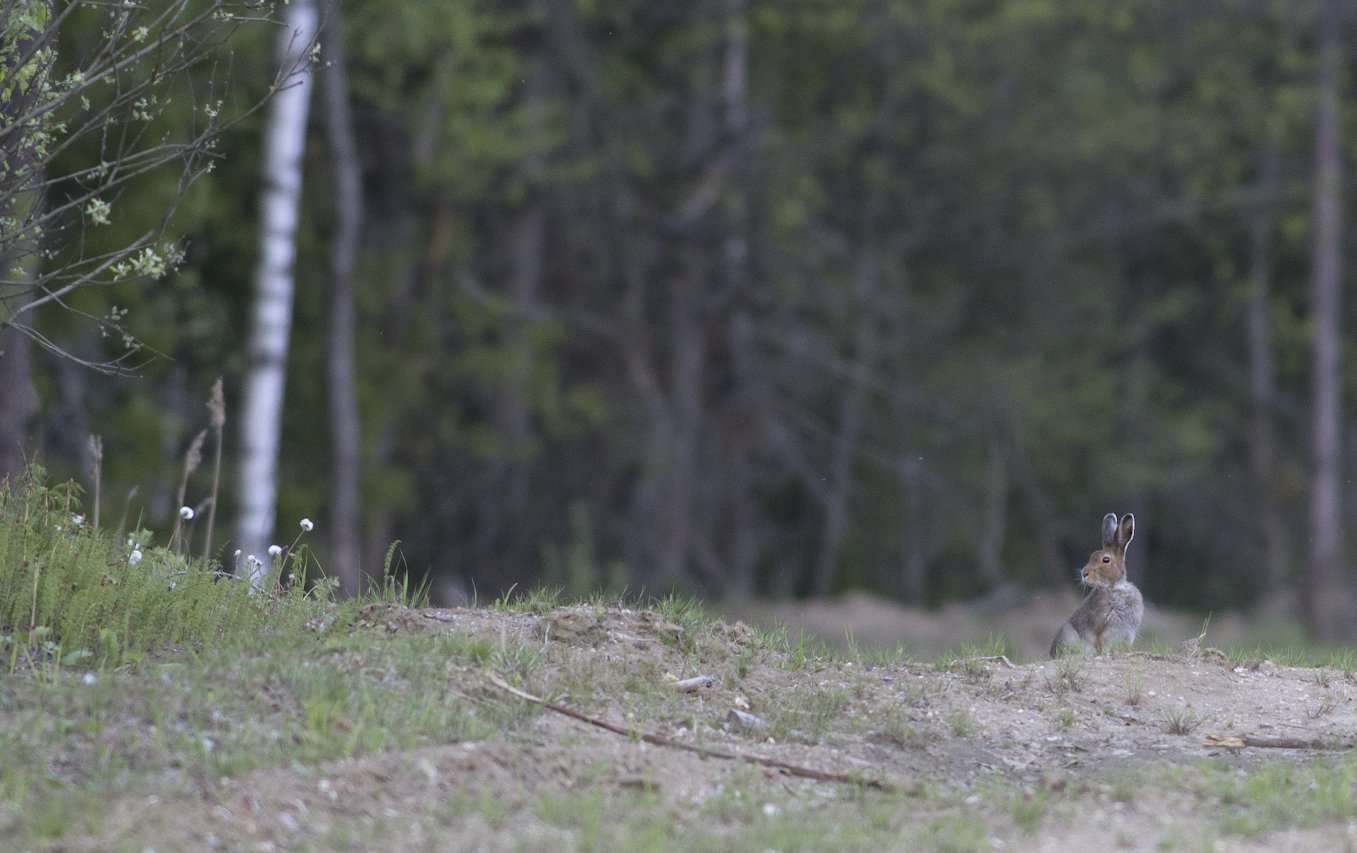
(1106, 558)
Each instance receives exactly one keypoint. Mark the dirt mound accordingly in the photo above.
(983, 735)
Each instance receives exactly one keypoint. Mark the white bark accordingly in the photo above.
(262, 407)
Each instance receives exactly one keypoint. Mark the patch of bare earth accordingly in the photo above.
(974, 737)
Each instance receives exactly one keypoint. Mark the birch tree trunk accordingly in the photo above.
(262, 407)
(1326, 599)
(344, 532)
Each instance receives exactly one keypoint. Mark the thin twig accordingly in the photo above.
(1003, 659)
(705, 752)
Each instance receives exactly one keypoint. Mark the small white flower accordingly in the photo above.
(275, 550)
(88, 678)
(134, 557)
(186, 512)
(77, 519)
(306, 525)
(237, 554)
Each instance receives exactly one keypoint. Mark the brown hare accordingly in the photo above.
(1110, 615)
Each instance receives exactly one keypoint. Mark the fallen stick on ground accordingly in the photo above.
(706, 752)
(688, 685)
(1238, 741)
(1003, 659)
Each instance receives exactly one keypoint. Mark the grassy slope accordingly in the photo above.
(78, 742)
(184, 689)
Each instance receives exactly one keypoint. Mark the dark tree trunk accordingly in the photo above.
(346, 550)
(743, 420)
(994, 526)
(1273, 584)
(1326, 587)
(914, 558)
(680, 459)
(506, 522)
(18, 400)
(837, 492)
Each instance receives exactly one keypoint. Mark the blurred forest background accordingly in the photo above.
(734, 297)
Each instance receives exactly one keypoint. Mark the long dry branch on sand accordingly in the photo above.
(706, 752)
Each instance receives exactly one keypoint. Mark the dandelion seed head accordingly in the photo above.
(186, 512)
(134, 557)
(306, 525)
(275, 550)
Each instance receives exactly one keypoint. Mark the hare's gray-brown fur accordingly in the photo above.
(1111, 613)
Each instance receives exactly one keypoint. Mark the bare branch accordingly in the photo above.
(109, 100)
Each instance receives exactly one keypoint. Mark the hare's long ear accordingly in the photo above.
(1109, 530)
(1125, 531)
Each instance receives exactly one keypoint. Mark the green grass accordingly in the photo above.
(1299, 654)
(73, 595)
(124, 680)
(222, 713)
(974, 658)
(804, 651)
(1267, 798)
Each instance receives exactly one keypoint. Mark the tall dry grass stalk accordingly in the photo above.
(127, 507)
(192, 459)
(217, 406)
(96, 472)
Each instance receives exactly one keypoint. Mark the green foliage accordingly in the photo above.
(1019, 231)
(114, 114)
(70, 594)
(292, 697)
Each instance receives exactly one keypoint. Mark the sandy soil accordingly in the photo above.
(933, 733)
